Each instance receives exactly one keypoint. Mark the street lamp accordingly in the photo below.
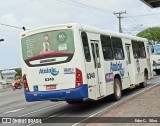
(1, 40)
(24, 28)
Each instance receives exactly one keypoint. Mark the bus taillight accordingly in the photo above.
(69, 26)
(26, 88)
(23, 35)
(79, 79)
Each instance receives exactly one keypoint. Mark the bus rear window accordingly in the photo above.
(47, 48)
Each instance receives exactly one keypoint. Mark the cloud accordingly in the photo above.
(38, 13)
(9, 19)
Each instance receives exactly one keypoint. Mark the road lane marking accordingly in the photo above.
(12, 111)
(156, 82)
(47, 118)
(24, 105)
(10, 106)
(115, 104)
(39, 110)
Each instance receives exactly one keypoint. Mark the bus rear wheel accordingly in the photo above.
(74, 101)
(117, 89)
(157, 72)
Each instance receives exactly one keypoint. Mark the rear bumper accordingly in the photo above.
(58, 95)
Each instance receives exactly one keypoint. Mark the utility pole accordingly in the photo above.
(118, 14)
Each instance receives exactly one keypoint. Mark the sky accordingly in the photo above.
(38, 13)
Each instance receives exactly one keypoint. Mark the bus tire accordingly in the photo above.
(117, 89)
(74, 101)
(157, 72)
(144, 83)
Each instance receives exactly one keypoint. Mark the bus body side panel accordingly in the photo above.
(95, 76)
(140, 64)
(128, 65)
(149, 63)
(105, 73)
(139, 67)
(115, 67)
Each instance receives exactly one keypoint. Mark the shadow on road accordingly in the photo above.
(88, 107)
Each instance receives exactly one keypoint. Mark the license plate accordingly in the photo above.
(50, 87)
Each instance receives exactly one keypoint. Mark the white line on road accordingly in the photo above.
(114, 105)
(39, 110)
(155, 82)
(11, 106)
(12, 111)
(48, 117)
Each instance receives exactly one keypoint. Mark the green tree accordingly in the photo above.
(18, 72)
(151, 34)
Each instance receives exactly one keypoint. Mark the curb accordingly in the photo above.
(82, 122)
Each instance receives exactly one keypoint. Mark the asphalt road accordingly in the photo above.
(13, 104)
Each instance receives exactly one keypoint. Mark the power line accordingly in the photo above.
(143, 15)
(137, 26)
(82, 5)
(146, 26)
(85, 6)
(132, 19)
(130, 23)
(125, 26)
(11, 26)
(74, 3)
(134, 29)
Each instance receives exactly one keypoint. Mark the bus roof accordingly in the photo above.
(111, 33)
(86, 28)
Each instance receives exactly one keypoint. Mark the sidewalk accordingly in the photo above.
(146, 104)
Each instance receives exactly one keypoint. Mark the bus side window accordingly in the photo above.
(106, 47)
(135, 47)
(86, 46)
(98, 56)
(142, 50)
(94, 55)
(117, 48)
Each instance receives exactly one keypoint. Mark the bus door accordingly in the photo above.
(149, 63)
(97, 68)
(128, 62)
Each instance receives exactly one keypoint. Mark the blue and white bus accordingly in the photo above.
(155, 57)
(73, 62)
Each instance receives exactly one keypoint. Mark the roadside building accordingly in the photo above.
(152, 3)
(9, 76)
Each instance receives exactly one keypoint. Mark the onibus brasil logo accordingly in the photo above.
(53, 71)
